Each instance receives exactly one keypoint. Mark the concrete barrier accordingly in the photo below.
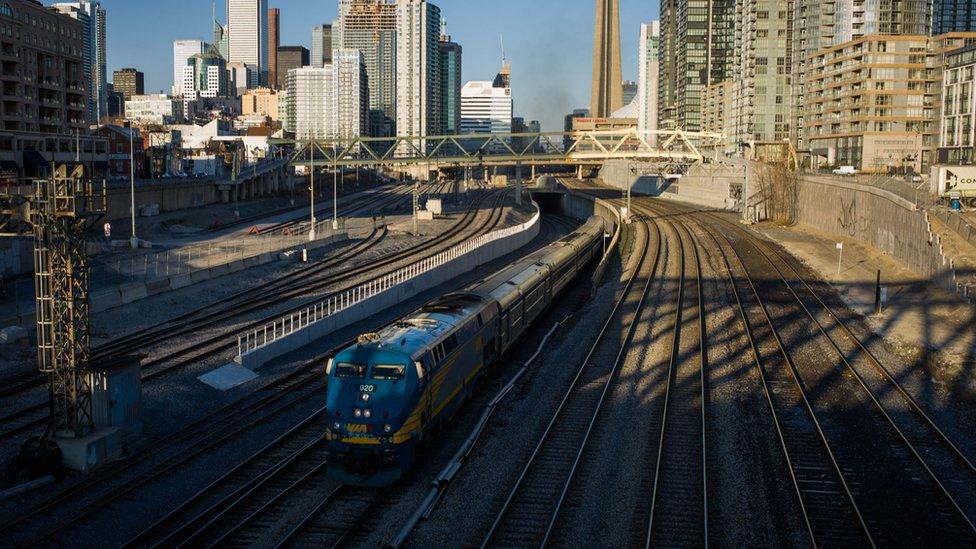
(128, 293)
(276, 345)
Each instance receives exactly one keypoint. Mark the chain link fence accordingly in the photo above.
(187, 259)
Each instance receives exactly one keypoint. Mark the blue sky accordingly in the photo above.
(548, 41)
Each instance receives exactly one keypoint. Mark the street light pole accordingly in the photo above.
(311, 170)
(133, 240)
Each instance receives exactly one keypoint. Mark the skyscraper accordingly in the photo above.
(953, 16)
(92, 17)
(291, 57)
(247, 23)
(761, 85)
(418, 85)
(857, 18)
(182, 51)
(220, 38)
(330, 101)
(486, 106)
(321, 45)
(370, 26)
(450, 58)
(274, 42)
(607, 92)
(696, 51)
(647, 79)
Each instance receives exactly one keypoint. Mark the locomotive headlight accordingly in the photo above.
(367, 412)
(329, 365)
(337, 426)
(357, 413)
(387, 428)
(364, 397)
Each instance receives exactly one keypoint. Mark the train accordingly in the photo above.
(390, 390)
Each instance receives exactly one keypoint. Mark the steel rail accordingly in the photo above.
(503, 513)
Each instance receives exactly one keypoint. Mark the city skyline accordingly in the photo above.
(549, 61)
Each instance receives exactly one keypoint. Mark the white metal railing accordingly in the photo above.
(294, 322)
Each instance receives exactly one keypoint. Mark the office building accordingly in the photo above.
(370, 26)
(569, 124)
(92, 18)
(647, 77)
(116, 103)
(321, 45)
(220, 38)
(262, 101)
(696, 51)
(155, 109)
(607, 93)
(247, 25)
(291, 57)
(953, 16)
(450, 59)
(239, 76)
(418, 82)
(129, 82)
(761, 67)
(44, 88)
(874, 103)
(205, 76)
(274, 42)
(183, 50)
(486, 108)
(331, 101)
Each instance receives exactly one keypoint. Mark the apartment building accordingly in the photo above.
(874, 102)
(42, 71)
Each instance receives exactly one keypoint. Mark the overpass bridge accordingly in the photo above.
(580, 148)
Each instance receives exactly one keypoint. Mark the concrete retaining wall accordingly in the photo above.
(876, 218)
(382, 301)
(705, 185)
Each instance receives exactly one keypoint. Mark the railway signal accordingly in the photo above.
(61, 208)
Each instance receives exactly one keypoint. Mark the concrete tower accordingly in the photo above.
(607, 76)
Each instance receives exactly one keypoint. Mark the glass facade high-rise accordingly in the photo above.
(696, 51)
(92, 17)
(370, 26)
(953, 16)
(450, 57)
(761, 87)
(648, 77)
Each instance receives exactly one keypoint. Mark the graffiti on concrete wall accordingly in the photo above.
(848, 217)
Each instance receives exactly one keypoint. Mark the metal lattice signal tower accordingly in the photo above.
(61, 209)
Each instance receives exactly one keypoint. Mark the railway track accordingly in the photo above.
(679, 498)
(844, 492)
(34, 416)
(532, 508)
(153, 462)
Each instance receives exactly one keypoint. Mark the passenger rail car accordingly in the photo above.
(391, 389)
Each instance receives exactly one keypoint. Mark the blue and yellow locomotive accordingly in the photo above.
(387, 392)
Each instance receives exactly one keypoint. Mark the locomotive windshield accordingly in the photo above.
(348, 370)
(389, 372)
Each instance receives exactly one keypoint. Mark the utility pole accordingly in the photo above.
(416, 206)
(133, 240)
